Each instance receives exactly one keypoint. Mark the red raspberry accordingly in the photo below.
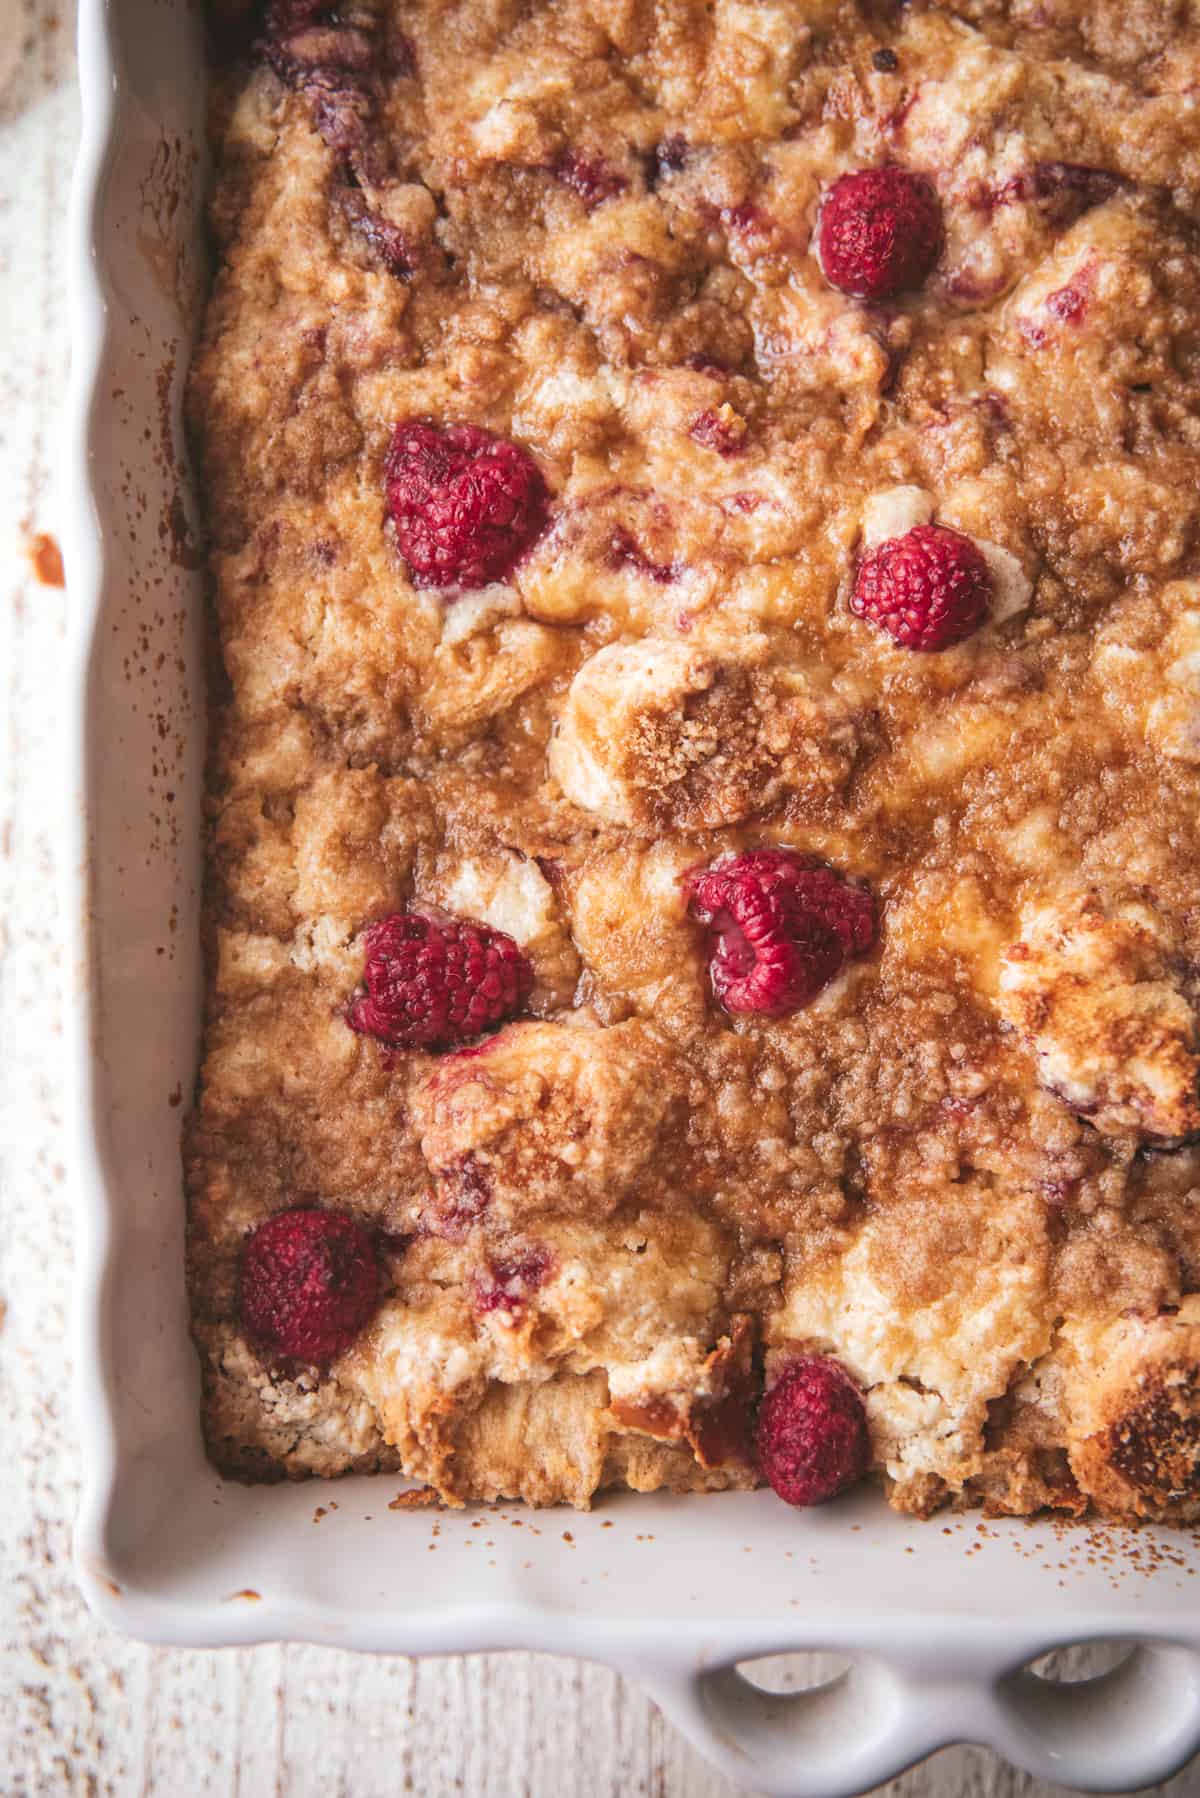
(722, 431)
(462, 1195)
(310, 1284)
(1069, 187)
(591, 177)
(780, 926)
(304, 44)
(433, 980)
(812, 1434)
(511, 1282)
(466, 505)
(395, 248)
(1069, 303)
(928, 589)
(624, 551)
(879, 232)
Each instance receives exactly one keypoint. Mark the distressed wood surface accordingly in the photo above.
(82, 1711)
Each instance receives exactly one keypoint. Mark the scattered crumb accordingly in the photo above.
(45, 558)
(419, 1499)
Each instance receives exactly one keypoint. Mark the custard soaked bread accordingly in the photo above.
(704, 812)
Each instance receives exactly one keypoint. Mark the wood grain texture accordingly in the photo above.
(82, 1711)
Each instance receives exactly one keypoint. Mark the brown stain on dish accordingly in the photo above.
(180, 542)
(156, 619)
(165, 191)
(182, 546)
(248, 1593)
(45, 558)
(174, 530)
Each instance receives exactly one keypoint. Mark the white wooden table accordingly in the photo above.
(82, 1711)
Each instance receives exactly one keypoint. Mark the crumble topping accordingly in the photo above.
(1148, 662)
(646, 449)
(658, 733)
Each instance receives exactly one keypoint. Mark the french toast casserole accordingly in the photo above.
(704, 799)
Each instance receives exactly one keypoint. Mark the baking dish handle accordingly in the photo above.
(1118, 1732)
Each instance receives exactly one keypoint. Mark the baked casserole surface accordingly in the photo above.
(704, 516)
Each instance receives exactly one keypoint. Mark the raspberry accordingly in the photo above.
(624, 551)
(590, 177)
(332, 65)
(879, 232)
(781, 928)
(1069, 303)
(310, 1283)
(465, 504)
(300, 46)
(390, 245)
(745, 217)
(722, 430)
(511, 1281)
(462, 1195)
(433, 980)
(812, 1435)
(928, 589)
(1072, 187)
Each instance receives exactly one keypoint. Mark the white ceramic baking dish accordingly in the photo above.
(938, 1620)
